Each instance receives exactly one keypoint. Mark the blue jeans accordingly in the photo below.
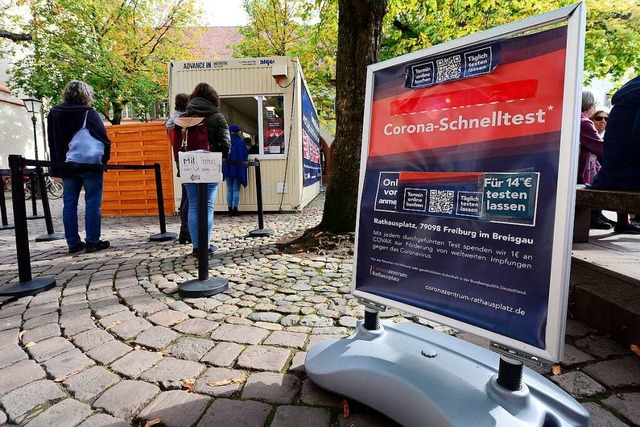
(233, 192)
(192, 196)
(92, 183)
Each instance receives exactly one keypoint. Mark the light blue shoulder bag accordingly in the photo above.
(84, 148)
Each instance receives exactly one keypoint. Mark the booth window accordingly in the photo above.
(262, 121)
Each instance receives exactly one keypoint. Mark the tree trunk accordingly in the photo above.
(117, 113)
(359, 29)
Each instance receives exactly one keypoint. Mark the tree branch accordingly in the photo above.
(16, 37)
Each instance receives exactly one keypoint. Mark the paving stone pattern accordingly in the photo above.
(113, 343)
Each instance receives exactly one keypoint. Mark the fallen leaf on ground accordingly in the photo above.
(225, 382)
(65, 377)
(114, 324)
(188, 383)
(20, 335)
(153, 422)
(345, 408)
(29, 344)
(635, 349)
(556, 369)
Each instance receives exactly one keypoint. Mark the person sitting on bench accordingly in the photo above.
(591, 149)
(621, 160)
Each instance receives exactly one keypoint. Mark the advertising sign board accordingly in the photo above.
(467, 183)
(311, 169)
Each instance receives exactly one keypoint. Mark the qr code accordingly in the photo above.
(449, 68)
(441, 201)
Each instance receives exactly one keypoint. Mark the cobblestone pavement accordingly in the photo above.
(114, 344)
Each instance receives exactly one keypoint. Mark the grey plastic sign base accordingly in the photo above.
(421, 377)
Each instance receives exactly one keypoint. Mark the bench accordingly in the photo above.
(587, 199)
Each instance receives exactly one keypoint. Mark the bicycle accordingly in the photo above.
(53, 186)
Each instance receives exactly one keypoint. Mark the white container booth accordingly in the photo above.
(269, 100)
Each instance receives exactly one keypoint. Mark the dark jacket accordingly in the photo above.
(63, 121)
(240, 153)
(218, 129)
(621, 161)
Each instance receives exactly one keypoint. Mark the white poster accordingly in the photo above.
(200, 166)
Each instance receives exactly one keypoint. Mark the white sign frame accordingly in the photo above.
(575, 18)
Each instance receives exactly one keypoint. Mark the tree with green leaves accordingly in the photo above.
(612, 32)
(121, 48)
(613, 35)
(297, 28)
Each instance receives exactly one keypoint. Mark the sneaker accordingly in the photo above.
(212, 249)
(599, 224)
(98, 246)
(627, 229)
(605, 219)
(77, 248)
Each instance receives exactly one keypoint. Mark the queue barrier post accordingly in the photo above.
(51, 234)
(204, 285)
(26, 285)
(260, 231)
(163, 235)
(31, 174)
(3, 203)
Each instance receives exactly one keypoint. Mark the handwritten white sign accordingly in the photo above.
(200, 166)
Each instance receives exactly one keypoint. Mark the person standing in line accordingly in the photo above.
(63, 121)
(180, 104)
(621, 161)
(204, 102)
(235, 173)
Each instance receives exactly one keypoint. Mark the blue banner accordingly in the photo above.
(311, 164)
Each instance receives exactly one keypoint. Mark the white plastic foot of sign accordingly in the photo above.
(421, 377)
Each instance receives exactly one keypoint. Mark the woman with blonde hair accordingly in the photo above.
(63, 121)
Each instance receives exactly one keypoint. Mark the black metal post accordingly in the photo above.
(35, 135)
(261, 231)
(27, 285)
(51, 234)
(3, 205)
(203, 224)
(204, 285)
(163, 235)
(33, 182)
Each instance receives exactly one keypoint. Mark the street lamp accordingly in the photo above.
(33, 106)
